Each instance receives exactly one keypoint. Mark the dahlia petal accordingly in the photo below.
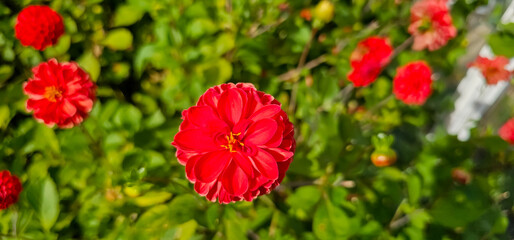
(276, 140)
(84, 103)
(205, 117)
(230, 106)
(213, 192)
(242, 126)
(203, 188)
(210, 98)
(266, 164)
(234, 180)
(244, 163)
(268, 111)
(34, 89)
(261, 131)
(279, 154)
(183, 156)
(210, 165)
(67, 108)
(190, 173)
(33, 104)
(195, 139)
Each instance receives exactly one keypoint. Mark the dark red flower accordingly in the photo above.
(368, 59)
(10, 188)
(431, 24)
(506, 132)
(412, 83)
(38, 26)
(236, 143)
(60, 93)
(493, 69)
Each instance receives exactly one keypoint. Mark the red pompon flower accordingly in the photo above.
(368, 59)
(493, 69)
(506, 132)
(38, 26)
(60, 93)
(236, 143)
(10, 188)
(431, 24)
(412, 83)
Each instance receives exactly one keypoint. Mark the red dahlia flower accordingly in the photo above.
(60, 93)
(412, 83)
(236, 143)
(493, 69)
(431, 25)
(368, 59)
(39, 27)
(10, 188)
(506, 132)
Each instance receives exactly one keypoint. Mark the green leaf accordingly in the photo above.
(458, 209)
(152, 198)
(128, 117)
(414, 188)
(152, 223)
(212, 216)
(60, 48)
(303, 199)
(126, 15)
(200, 27)
(330, 222)
(233, 226)
(6, 72)
(183, 208)
(45, 139)
(224, 43)
(501, 44)
(90, 64)
(118, 39)
(5, 116)
(186, 230)
(44, 199)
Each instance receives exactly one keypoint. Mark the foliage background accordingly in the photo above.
(116, 176)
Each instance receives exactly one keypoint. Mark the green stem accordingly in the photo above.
(14, 220)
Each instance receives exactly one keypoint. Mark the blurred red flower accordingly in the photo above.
(10, 188)
(506, 132)
(368, 59)
(60, 93)
(412, 83)
(493, 69)
(236, 143)
(38, 26)
(306, 14)
(431, 24)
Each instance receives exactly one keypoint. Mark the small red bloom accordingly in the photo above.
(412, 83)
(506, 132)
(60, 93)
(493, 69)
(38, 26)
(431, 25)
(306, 14)
(368, 59)
(236, 143)
(10, 188)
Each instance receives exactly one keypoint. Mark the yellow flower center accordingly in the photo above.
(52, 93)
(426, 25)
(232, 142)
